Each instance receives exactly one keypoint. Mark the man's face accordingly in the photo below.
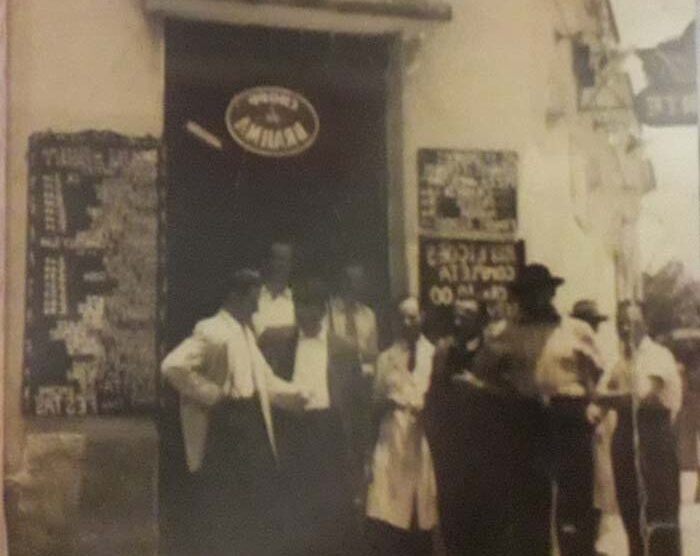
(309, 317)
(467, 319)
(355, 281)
(630, 325)
(280, 264)
(409, 319)
(245, 304)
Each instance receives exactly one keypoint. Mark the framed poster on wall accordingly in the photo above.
(468, 193)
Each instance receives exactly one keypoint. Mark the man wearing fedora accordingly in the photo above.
(545, 366)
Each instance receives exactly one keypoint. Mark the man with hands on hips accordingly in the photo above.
(226, 389)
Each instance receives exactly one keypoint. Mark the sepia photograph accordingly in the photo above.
(349, 278)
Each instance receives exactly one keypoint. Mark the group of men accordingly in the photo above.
(511, 423)
(302, 438)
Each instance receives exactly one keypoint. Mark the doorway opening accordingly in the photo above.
(226, 205)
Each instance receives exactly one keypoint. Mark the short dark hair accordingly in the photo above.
(242, 280)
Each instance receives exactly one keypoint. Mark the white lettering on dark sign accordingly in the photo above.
(272, 121)
(658, 107)
(451, 269)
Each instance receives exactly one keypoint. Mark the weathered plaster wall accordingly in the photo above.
(486, 80)
(75, 65)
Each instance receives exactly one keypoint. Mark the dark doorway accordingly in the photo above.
(226, 206)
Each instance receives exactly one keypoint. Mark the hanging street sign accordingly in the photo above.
(665, 107)
(671, 97)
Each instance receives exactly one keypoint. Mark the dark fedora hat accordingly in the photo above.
(534, 277)
(587, 310)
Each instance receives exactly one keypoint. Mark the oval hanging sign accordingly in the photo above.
(272, 121)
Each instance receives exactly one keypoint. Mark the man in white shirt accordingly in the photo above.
(648, 384)
(226, 388)
(351, 319)
(402, 499)
(276, 304)
(321, 448)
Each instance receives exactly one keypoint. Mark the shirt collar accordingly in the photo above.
(286, 292)
(646, 343)
(403, 344)
(229, 318)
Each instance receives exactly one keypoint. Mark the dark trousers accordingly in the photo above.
(386, 540)
(319, 512)
(572, 467)
(660, 474)
(237, 488)
(532, 485)
(494, 489)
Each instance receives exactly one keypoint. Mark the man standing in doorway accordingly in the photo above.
(276, 306)
(649, 383)
(322, 448)
(226, 388)
(351, 319)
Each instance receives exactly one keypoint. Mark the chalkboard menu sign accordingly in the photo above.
(93, 270)
(468, 193)
(457, 268)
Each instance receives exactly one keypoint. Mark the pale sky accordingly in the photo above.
(670, 221)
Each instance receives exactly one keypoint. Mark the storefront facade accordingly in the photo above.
(465, 76)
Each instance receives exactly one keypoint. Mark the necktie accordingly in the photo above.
(412, 357)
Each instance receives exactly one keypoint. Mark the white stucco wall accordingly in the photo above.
(74, 65)
(482, 81)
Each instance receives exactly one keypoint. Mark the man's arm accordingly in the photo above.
(182, 368)
(665, 381)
